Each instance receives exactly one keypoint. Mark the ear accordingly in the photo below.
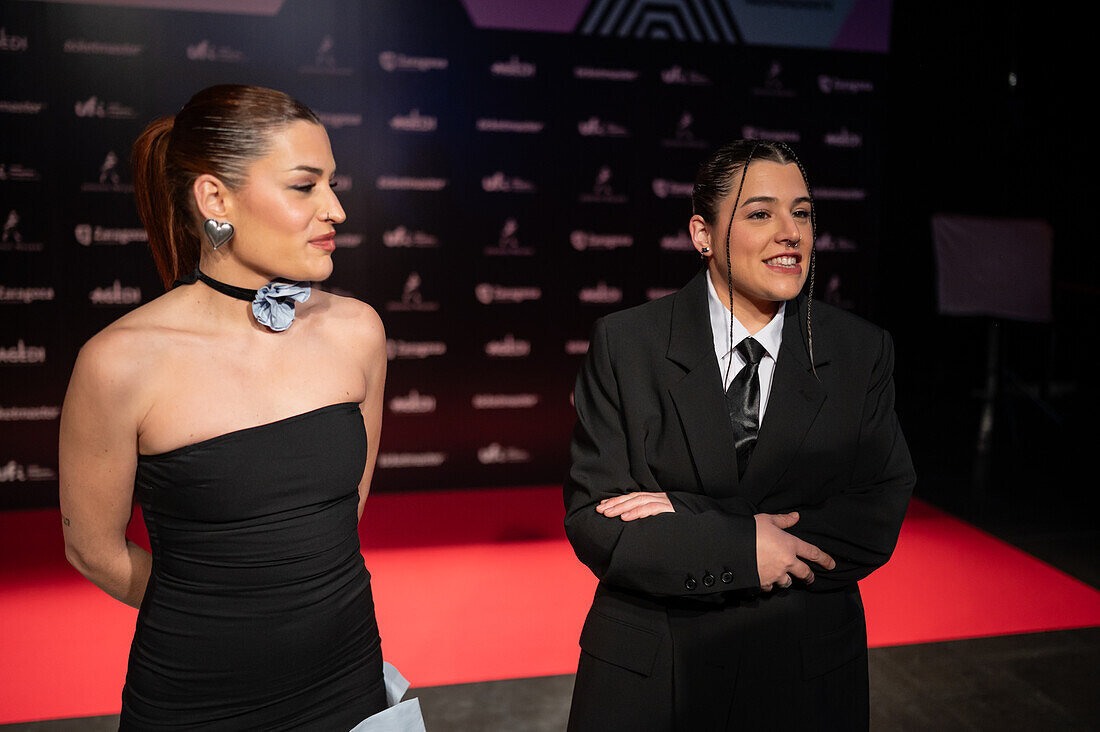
(212, 197)
(700, 234)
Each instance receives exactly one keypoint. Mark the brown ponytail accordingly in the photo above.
(220, 131)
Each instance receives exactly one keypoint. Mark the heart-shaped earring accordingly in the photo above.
(217, 232)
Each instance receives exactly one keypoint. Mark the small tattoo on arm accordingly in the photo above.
(65, 520)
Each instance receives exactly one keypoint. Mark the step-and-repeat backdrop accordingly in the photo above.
(510, 171)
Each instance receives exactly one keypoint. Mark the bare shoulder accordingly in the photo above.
(352, 321)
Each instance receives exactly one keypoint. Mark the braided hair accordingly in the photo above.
(713, 183)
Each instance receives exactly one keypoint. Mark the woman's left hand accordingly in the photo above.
(635, 506)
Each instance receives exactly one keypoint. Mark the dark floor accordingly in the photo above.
(1039, 681)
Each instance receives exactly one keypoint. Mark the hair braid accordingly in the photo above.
(729, 266)
(813, 252)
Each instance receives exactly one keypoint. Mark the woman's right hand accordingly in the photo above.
(779, 555)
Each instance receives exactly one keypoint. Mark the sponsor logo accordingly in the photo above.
(758, 133)
(498, 182)
(773, 84)
(496, 454)
(414, 349)
(834, 296)
(115, 294)
(94, 107)
(598, 74)
(204, 50)
(663, 188)
(504, 401)
(403, 237)
(109, 180)
(392, 61)
(519, 126)
(343, 182)
(409, 183)
(339, 120)
(576, 347)
(487, 294)
(508, 243)
(22, 353)
(411, 299)
(25, 295)
(10, 106)
(508, 347)
(13, 472)
(840, 194)
(411, 459)
(513, 68)
(29, 414)
(843, 138)
(653, 293)
(87, 235)
(413, 403)
(413, 122)
(582, 240)
(348, 241)
(827, 243)
(684, 135)
(835, 85)
(324, 60)
(601, 294)
(17, 173)
(678, 242)
(684, 77)
(595, 127)
(12, 43)
(101, 48)
(602, 190)
(11, 239)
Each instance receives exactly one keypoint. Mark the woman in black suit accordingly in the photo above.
(737, 467)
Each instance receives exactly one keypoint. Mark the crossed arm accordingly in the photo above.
(632, 535)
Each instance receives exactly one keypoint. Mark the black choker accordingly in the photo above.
(272, 304)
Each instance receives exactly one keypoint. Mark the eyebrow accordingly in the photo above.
(772, 199)
(309, 169)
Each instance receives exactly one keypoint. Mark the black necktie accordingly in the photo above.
(743, 402)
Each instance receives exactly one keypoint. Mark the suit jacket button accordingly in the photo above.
(727, 577)
(708, 579)
(690, 583)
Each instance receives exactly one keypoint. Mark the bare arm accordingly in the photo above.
(98, 458)
(374, 370)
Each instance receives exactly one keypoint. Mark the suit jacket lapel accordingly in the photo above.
(793, 404)
(699, 396)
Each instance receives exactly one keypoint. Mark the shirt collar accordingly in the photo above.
(770, 336)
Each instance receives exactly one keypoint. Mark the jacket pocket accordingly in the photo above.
(824, 653)
(619, 643)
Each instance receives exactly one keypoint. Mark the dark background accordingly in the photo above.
(943, 131)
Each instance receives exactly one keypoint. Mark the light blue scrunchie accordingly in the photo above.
(274, 303)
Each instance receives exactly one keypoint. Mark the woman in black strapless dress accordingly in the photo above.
(247, 431)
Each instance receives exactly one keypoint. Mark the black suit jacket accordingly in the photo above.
(677, 637)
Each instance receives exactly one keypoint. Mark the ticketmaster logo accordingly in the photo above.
(408, 183)
(598, 74)
(101, 48)
(504, 401)
(22, 353)
(411, 459)
(29, 414)
(24, 107)
(26, 294)
(414, 349)
(520, 126)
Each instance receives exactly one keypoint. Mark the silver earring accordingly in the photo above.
(705, 250)
(217, 232)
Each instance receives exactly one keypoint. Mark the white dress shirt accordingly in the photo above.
(770, 337)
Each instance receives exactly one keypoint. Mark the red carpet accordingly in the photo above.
(478, 585)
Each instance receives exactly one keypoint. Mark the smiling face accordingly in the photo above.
(285, 212)
(770, 240)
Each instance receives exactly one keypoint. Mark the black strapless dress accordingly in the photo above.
(258, 613)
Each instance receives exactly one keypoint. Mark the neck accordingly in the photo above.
(752, 313)
(231, 272)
